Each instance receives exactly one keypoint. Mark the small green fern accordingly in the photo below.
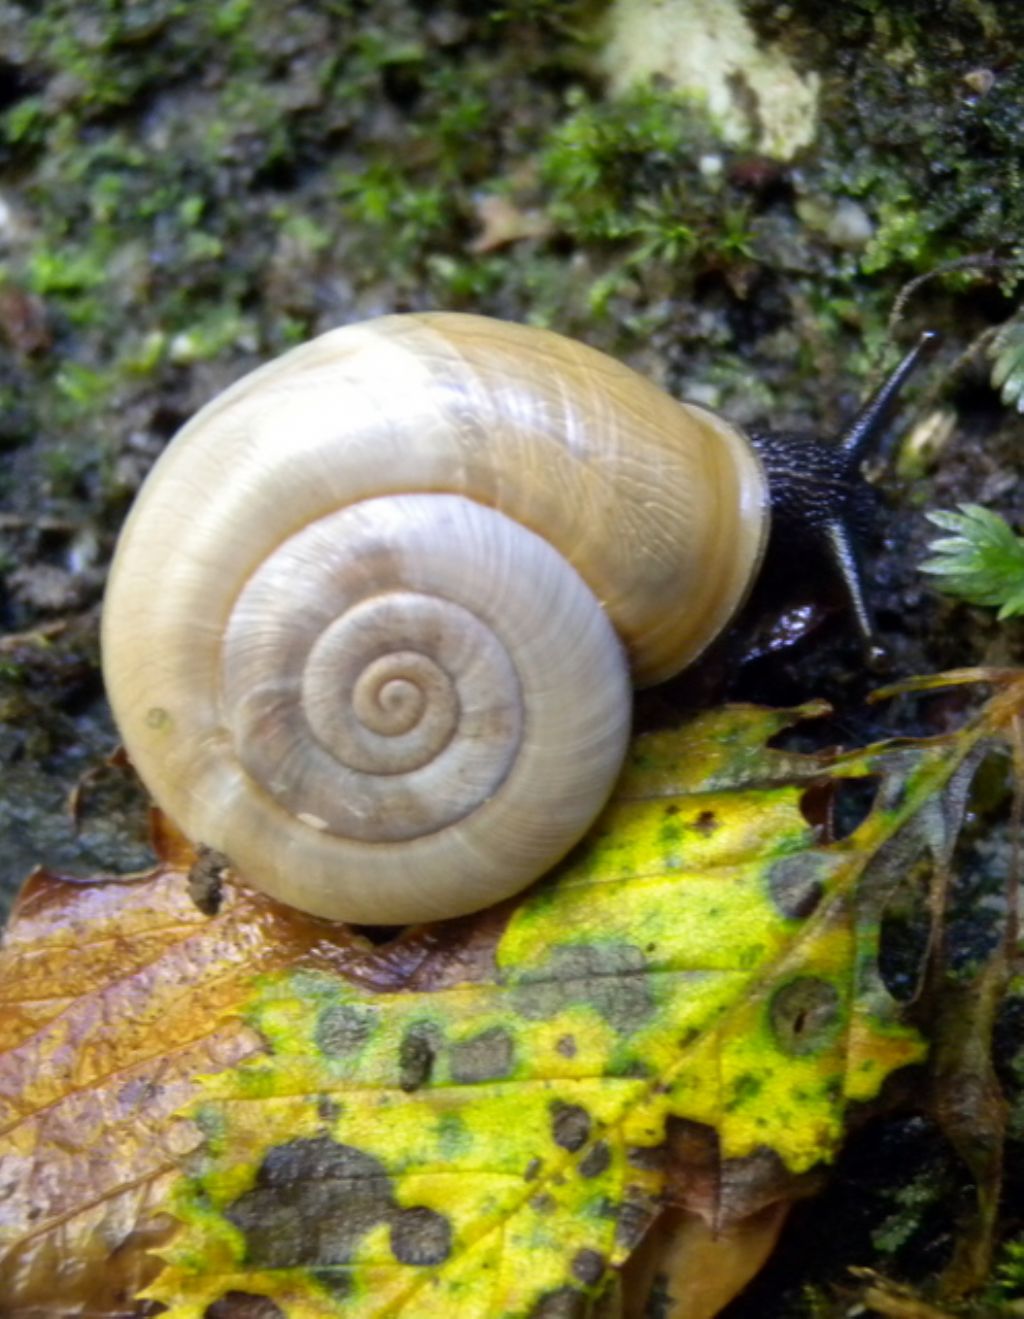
(982, 561)
(1009, 1271)
(1008, 362)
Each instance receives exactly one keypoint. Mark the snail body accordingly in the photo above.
(372, 622)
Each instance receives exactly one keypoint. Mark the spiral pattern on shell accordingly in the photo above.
(386, 673)
(371, 621)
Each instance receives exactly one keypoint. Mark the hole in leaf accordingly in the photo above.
(893, 1198)
(904, 935)
(851, 804)
(243, 1305)
(816, 806)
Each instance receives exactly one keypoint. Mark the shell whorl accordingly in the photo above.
(370, 623)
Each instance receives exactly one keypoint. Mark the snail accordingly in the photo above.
(373, 621)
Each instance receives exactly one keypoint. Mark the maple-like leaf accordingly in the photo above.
(483, 1118)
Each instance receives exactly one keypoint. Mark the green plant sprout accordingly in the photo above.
(981, 562)
(1008, 363)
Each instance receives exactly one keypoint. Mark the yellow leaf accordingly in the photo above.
(480, 1119)
(493, 1144)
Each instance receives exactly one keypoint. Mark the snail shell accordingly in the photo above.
(371, 623)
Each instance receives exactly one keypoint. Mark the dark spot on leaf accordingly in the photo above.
(609, 977)
(588, 1267)
(670, 833)
(706, 823)
(563, 1303)
(313, 1201)
(342, 1028)
(454, 1135)
(210, 1122)
(570, 1125)
(421, 1236)
(566, 1046)
(300, 1162)
(745, 1086)
(632, 1067)
(906, 933)
(542, 1203)
(596, 1161)
(852, 802)
(750, 955)
(488, 1056)
(243, 1305)
(328, 1109)
(335, 1279)
(416, 1056)
(805, 1015)
(796, 883)
(634, 1217)
(650, 1158)
(532, 1169)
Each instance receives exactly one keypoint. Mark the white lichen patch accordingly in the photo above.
(707, 49)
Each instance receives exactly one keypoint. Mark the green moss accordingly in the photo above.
(640, 189)
(65, 271)
(80, 385)
(345, 146)
(934, 144)
(910, 1204)
(24, 124)
(607, 164)
(64, 466)
(229, 19)
(399, 216)
(219, 329)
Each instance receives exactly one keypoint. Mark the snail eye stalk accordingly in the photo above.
(863, 431)
(821, 502)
